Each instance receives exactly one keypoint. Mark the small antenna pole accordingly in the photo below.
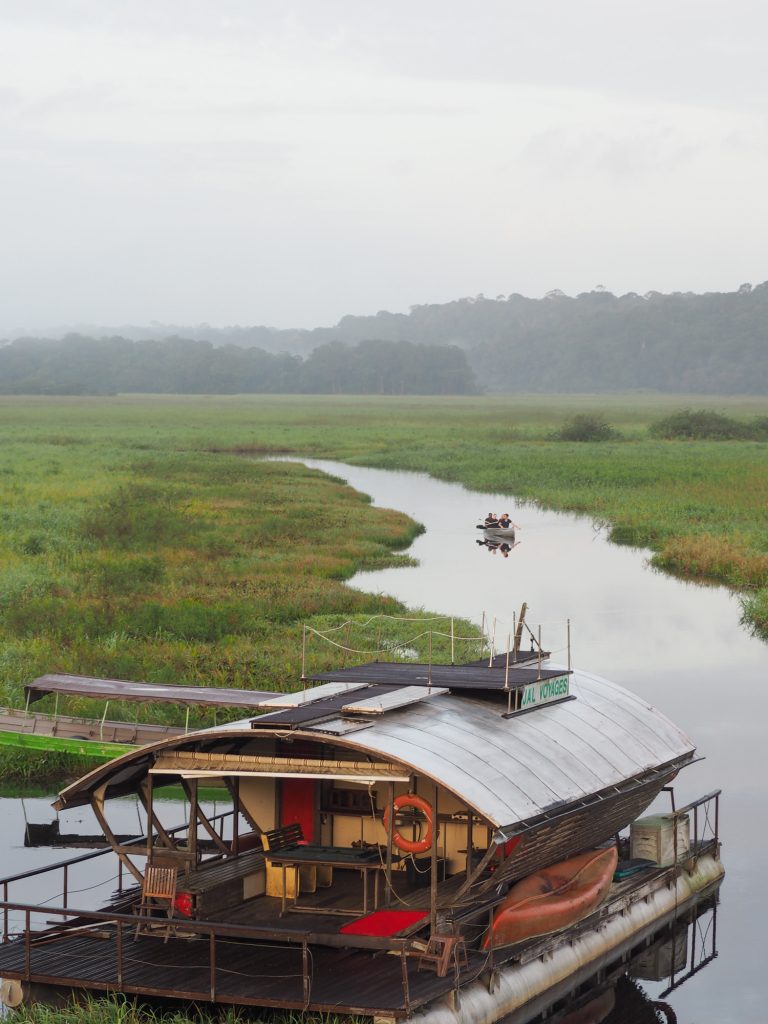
(429, 675)
(514, 631)
(482, 630)
(569, 644)
(304, 653)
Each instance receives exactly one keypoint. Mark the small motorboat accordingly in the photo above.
(499, 532)
(554, 898)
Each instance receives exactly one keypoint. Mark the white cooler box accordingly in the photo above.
(653, 838)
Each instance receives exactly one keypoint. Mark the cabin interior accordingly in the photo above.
(319, 841)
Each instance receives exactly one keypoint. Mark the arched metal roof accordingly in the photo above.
(507, 769)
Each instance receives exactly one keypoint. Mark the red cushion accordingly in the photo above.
(383, 922)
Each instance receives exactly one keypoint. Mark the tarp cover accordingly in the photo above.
(124, 689)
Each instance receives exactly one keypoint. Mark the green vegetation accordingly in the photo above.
(593, 342)
(138, 540)
(117, 1010)
(586, 427)
(705, 424)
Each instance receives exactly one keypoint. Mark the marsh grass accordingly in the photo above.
(119, 1010)
(137, 541)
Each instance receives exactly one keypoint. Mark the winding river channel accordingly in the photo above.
(677, 644)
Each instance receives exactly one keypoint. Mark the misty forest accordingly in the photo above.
(712, 343)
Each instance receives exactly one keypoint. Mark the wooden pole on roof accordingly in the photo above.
(493, 643)
(452, 659)
(569, 645)
(304, 652)
(519, 630)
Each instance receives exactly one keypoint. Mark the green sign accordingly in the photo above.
(544, 691)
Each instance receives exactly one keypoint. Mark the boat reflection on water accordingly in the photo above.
(617, 994)
(498, 546)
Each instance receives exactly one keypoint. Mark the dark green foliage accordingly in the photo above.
(585, 427)
(90, 366)
(705, 424)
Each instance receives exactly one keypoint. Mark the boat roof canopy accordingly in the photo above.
(158, 693)
(507, 769)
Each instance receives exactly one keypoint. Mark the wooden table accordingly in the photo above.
(362, 860)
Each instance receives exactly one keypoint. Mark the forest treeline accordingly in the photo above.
(79, 365)
(596, 341)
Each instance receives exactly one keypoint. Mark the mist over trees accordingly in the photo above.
(79, 365)
(596, 341)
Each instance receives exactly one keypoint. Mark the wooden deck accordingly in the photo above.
(231, 971)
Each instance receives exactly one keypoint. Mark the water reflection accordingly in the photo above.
(496, 546)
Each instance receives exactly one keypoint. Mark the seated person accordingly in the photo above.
(490, 520)
(505, 521)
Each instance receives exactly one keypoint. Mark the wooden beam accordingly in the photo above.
(390, 830)
(202, 817)
(97, 805)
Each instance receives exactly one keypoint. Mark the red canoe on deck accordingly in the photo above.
(553, 898)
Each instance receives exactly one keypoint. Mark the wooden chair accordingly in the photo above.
(440, 951)
(158, 894)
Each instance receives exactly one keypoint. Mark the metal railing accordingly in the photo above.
(65, 865)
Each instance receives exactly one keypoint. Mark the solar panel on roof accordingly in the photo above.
(308, 696)
(398, 698)
(454, 677)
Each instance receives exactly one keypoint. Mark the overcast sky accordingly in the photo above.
(285, 163)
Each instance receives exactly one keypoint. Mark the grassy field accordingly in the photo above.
(138, 542)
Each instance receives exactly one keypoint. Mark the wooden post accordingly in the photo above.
(236, 816)
(390, 830)
(429, 676)
(452, 658)
(519, 630)
(97, 806)
(433, 866)
(493, 643)
(469, 841)
(150, 814)
(569, 644)
(304, 653)
(192, 834)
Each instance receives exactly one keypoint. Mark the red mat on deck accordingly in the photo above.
(383, 922)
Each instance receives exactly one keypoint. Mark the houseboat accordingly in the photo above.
(384, 817)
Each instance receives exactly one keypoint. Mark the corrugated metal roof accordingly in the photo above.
(508, 770)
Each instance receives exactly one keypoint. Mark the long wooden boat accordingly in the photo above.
(385, 807)
(553, 898)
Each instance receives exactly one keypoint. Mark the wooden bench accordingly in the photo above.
(287, 880)
(225, 882)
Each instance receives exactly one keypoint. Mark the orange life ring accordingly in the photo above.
(418, 803)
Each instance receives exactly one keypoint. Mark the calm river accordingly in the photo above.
(677, 644)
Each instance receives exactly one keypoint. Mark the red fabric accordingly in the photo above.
(383, 922)
(298, 805)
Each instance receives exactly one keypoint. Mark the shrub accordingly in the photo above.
(586, 427)
(708, 425)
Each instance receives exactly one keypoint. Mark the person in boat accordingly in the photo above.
(491, 520)
(505, 522)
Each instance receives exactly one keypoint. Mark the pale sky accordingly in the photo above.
(285, 163)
